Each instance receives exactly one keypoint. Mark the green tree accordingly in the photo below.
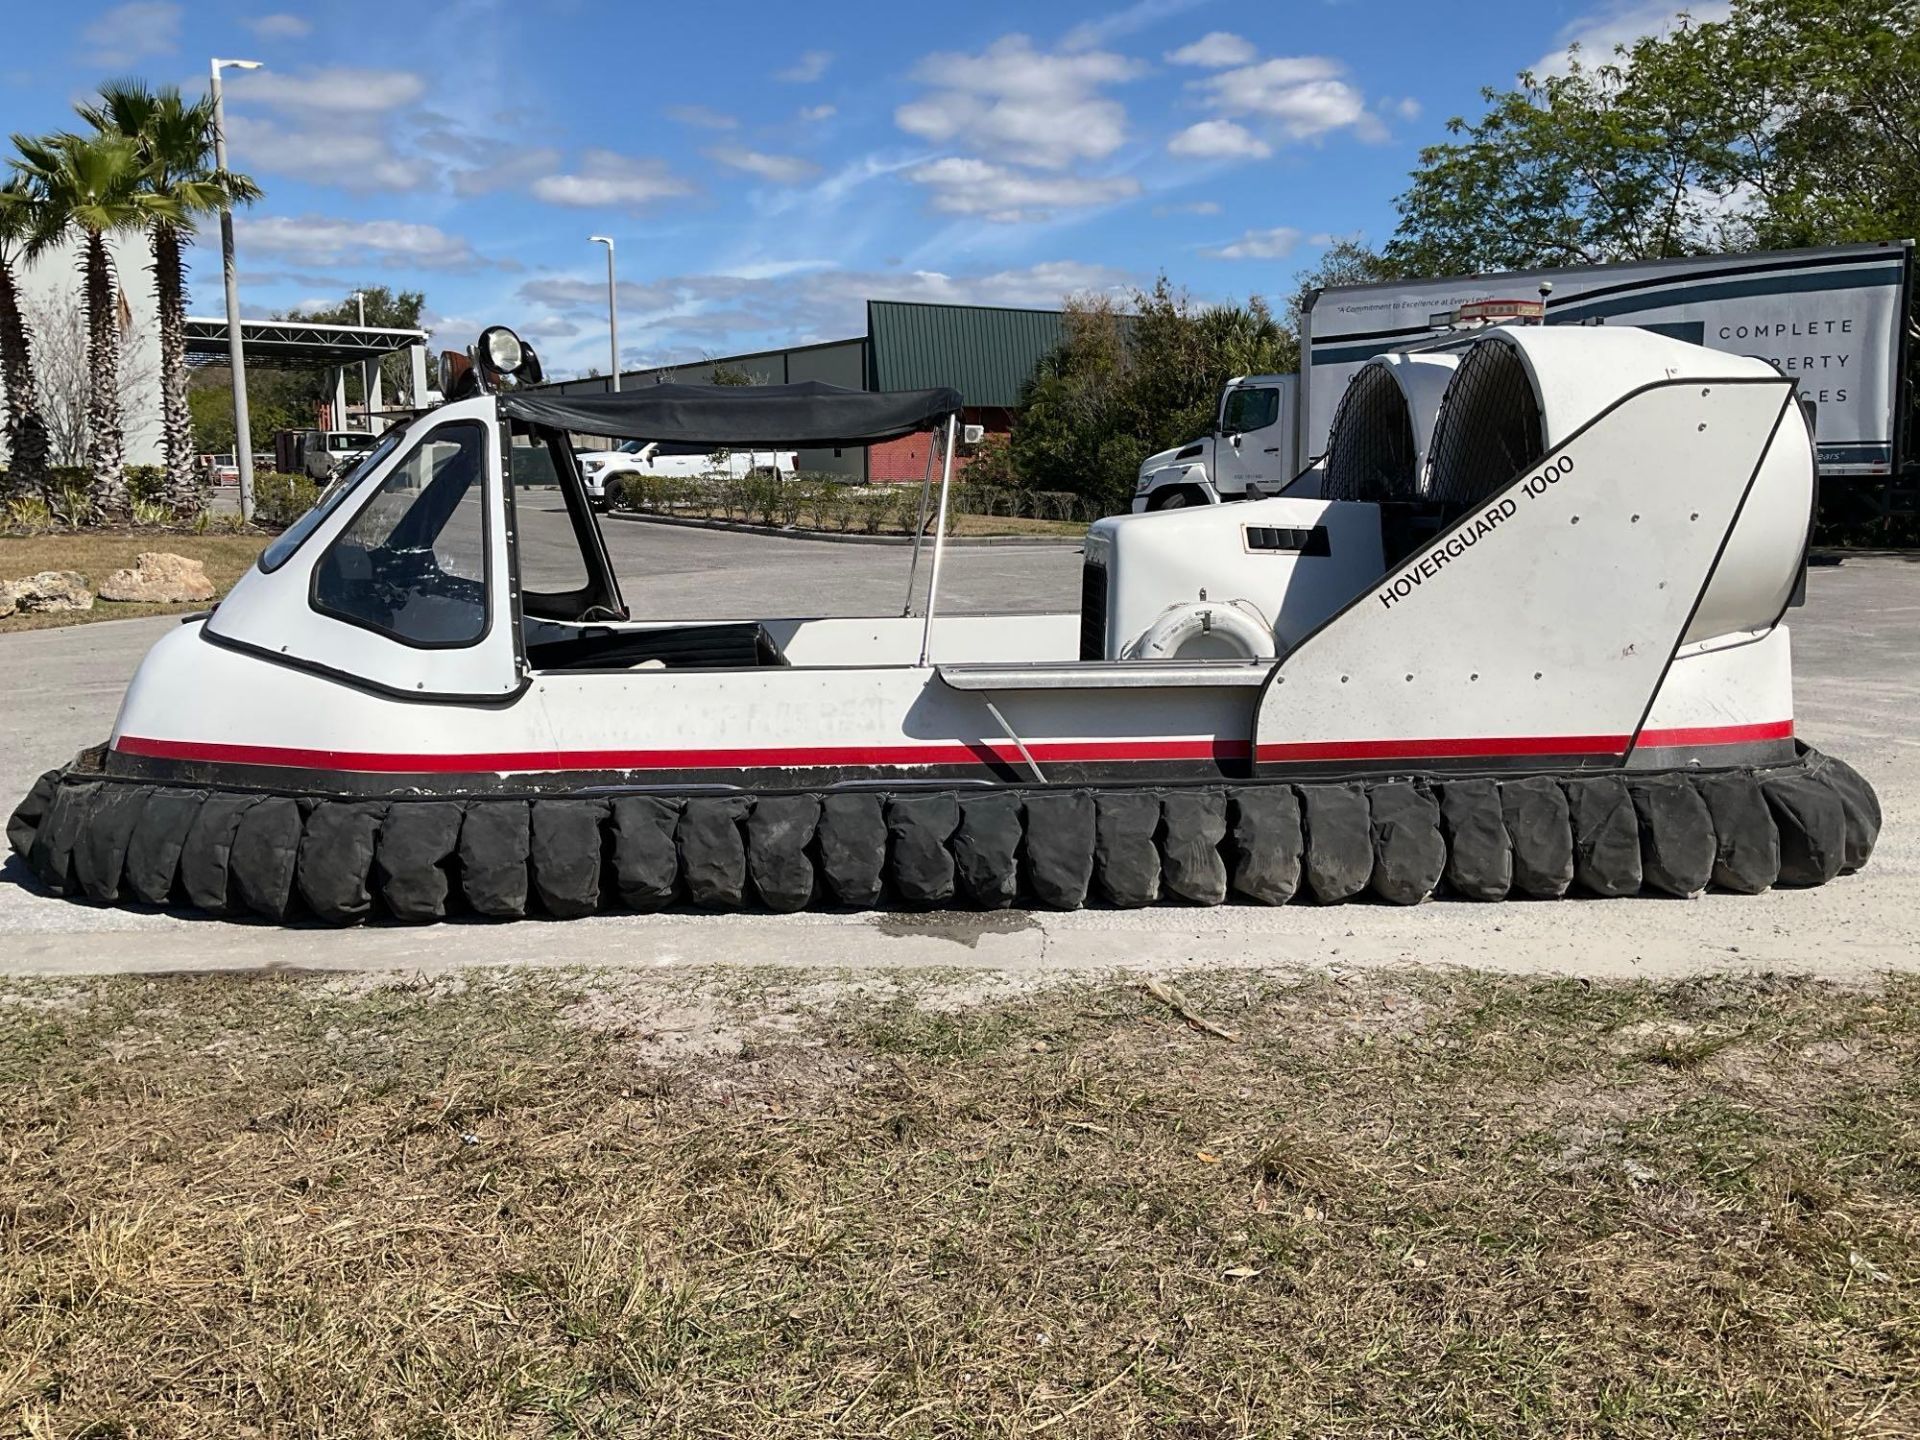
(1826, 96)
(90, 187)
(27, 443)
(1122, 385)
(174, 142)
(1789, 122)
(1347, 261)
(1594, 165)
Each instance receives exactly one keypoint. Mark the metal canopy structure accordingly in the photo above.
(297, 342)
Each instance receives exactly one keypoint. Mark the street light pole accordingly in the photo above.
(236, 354)
(613, 310)
(366, 372)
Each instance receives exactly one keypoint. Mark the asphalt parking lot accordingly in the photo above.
(1857, 659)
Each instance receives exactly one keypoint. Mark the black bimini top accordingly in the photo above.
(765, 416)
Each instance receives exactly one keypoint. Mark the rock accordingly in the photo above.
(49, 590)
(158, 576)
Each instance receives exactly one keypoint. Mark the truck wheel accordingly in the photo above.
(1177, 499)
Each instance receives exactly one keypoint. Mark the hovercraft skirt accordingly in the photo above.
(421, 858)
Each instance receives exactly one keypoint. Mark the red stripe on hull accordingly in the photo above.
(980, 753)
(1461, 749)
(804, 758)
(1716, 735)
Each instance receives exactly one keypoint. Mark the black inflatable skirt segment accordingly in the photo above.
(1399, 841)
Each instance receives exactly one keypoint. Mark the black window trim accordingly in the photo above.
(602, 587)
(486, 546)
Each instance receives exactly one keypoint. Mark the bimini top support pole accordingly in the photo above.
(919, 529)
(939, 539)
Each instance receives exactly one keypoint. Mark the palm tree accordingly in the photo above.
(89, 186)
(175, 142)
(27, 445)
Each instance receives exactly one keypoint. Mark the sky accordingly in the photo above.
(764, 168)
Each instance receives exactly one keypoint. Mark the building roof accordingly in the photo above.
(986, 353)
(303, 342)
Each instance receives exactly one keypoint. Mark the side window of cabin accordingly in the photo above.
(413, 563)
(1250, 410)
(548, 545)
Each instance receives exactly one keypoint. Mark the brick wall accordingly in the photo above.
(905, 459)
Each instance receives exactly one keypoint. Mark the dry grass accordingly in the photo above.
(528, 1204)
(96, 554)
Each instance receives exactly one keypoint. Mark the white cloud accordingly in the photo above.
(608, 179)
(279, 27)
(1621, 22)
(1305, 96)
(701, 116)
(1191, 207)
(352, 158)
(811, 65)
(812, 114)
(1219, 140)
(1214, 51)
(1022, 104)
(134, 31)
(1105, 29)
(332, 240)
(1407, 108)
(1274, 244)
(332, 89)
(780, 169)
(508, 167)
(999, 193)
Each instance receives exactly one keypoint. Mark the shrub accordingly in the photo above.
(72, 500)
(280, 499)
(824, 500)
(152, 514)
(29, 515)
(146, 484)
(906, 508)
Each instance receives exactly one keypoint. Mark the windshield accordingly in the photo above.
(290, 539)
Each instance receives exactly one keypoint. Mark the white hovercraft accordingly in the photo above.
(1522, 633)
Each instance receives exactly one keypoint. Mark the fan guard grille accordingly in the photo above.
(1489, 427)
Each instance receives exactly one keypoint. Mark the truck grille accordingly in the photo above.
(1093, 611)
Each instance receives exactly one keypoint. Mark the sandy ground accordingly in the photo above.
(1858, 665)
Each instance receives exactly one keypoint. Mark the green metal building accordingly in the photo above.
(986, 352)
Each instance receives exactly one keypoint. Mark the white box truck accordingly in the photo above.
(1831, 318)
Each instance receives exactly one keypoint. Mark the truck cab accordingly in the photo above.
(1249, 454)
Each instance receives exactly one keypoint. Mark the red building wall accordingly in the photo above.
(894, 461)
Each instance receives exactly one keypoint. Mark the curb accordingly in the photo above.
(1034, 542)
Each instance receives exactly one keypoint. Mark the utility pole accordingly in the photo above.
(236, 353)
(366, 371)
(613, 310)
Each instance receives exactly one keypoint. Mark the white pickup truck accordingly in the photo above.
(603, 470)
(1249, 454)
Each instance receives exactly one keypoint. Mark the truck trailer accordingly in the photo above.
(1830, 319)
